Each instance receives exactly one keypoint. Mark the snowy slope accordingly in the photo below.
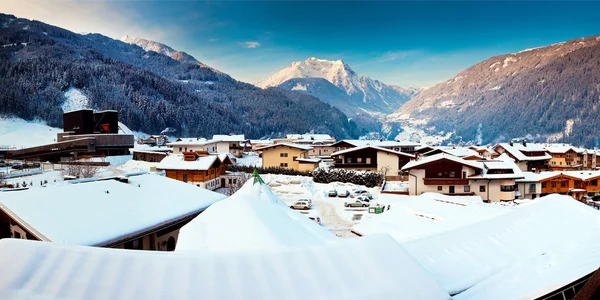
(18, 133)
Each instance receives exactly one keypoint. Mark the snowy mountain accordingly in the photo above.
(360, 93)
(544, 94)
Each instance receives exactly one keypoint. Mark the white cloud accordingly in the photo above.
(251, 44)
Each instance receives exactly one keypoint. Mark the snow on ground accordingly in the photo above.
(396, 186)
(250, 159)
(74, 99)
(130, 166)
(18, 133)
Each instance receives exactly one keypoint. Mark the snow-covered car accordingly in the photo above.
(301, 204)
(343, 193)
(364, 198)
(363, 193)
(332, 193)
(357, 203)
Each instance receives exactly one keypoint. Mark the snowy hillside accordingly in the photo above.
(18, 133)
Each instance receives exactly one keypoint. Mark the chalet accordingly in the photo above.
(590, 159)
(150, 154)
(255, 144)
(234, 144)
(285, 155)
(530, 186)
(532, 157)
(447, 174)
(399, 146)
(154, 140)
(484, 151)
(371, 158)
(564, 157)
(193, 144)
(136, 212)
(198, 168)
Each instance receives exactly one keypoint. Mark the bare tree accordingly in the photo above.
(81, 169)
(237, 181)
(384, 170)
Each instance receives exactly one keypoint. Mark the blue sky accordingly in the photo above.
(403, 43)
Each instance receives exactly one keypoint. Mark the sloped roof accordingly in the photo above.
(378, 143)
(85, 214)
(456, 151)
(192, 141)
(177, 162)
(429, 159)
(334, 271)
(297, 146)
(374, 148)
(516, 148)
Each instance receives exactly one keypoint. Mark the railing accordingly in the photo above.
(445, 181)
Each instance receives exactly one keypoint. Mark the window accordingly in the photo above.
(179, 149)
(16, 234)
(359, 160)
(543, 185)
(563, 184)
(452, 174)
(235, 181)
(451, 189)
(568, 155)
(283, 155)
(561, 163)
(554, 163)
(184, 177)
(467, 189)
(283, 165)
(482, 188)
(230, 181)
(439, 187)
(439, 174)
(594, 182)
(507, 188)
(368, 160)
(553, 184)
(464, 175)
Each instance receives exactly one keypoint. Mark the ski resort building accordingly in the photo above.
(288, 156)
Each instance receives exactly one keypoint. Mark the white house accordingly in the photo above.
(193, 144)
(230, 144)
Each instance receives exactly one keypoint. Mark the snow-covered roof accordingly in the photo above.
(379, 143)
(373, 267)
(253, 218)
(177, 162)
(132, 150)
(583, 175)
(516, 148)
(100, 212)
(559, 148)
(502, 163)
(537, 177)
(229, 138)
(139, 148)
(456, 151)
(374, 148)
(297, 146)
(505, 256)
(193, 142)
(429, 159)
(415, 217)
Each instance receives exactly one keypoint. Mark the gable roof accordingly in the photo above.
(516, 148)
(193, 142)
(297, 146)
(374, 148)
(456, 151)
(86, 214)
(415, 164)
(177, 162)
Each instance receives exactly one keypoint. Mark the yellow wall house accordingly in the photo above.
(285, 155)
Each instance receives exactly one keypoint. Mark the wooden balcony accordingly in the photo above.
(445, 181)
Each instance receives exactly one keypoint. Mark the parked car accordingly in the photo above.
(363, 198)
(360, 192)
(343, 193)
(357, 203)
(332, 193)
(301, 204)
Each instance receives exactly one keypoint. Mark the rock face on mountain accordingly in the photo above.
(357, 94)
(152, 86)
(546, 93)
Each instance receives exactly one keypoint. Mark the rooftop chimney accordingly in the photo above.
(510, 143)
(524, 143)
